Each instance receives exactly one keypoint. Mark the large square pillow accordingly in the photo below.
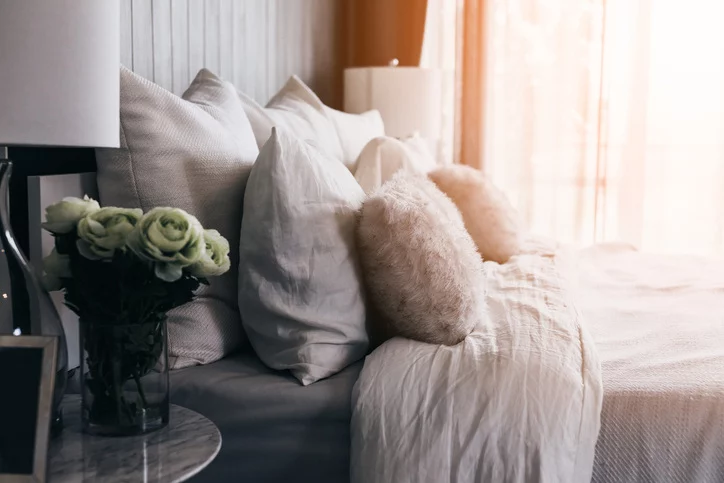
(300, 288)
(355, 131)
(298, 111)
(195, 153)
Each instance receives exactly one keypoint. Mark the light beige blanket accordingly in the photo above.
(658, 324)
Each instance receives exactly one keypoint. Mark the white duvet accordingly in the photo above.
(518, 401)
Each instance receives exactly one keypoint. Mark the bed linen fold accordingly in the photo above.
(518, 400)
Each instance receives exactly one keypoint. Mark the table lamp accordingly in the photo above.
(59, 86)
(408, 98)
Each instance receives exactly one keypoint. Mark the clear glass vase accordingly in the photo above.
(124, 377)
(26, 307)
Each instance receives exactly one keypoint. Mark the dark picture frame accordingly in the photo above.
(27, 366)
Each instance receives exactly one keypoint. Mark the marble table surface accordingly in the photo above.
(174, 453)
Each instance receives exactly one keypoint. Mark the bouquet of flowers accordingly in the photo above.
(121, 271)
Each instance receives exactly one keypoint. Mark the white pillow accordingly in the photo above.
(421, 269)
(300, 291)
(355, 131)
(382, 157)
(297, 110)
(489, 217)
(193, 152)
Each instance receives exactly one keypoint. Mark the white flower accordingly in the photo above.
(215, 258)
(55, 267)
(62, 217)
(104, 231)
(170, 238)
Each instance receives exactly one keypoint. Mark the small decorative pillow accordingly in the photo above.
(297, 110)
(382, 157)
(195, 153)
(421, 269)
(300, 289)
(355, 131)
(489, 217)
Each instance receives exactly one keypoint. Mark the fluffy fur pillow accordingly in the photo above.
(489, 217)
(420, 266)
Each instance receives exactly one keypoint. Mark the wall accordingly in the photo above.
(255, 44)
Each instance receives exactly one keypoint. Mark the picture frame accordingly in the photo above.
(27, 376)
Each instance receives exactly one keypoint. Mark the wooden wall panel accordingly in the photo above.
(256, 44)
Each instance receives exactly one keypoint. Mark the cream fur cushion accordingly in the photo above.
(420, 266)
(489, 217)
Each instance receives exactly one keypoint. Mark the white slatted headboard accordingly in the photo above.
(255, 44)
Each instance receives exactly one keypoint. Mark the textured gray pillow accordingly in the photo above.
(193, 152)
(300, 290)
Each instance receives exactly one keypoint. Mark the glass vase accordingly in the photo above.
(26, 307)
(124, 377)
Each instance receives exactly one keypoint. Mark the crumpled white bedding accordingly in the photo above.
(518, 400)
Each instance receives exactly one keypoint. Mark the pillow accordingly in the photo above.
(355, 131)
(420, 266)
(489, 217)
(300, 290)
(298, 110)
(382, 157)
(195, 153)
(422, 149)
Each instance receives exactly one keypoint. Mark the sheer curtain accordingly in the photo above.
(439, 51)
(604, 119)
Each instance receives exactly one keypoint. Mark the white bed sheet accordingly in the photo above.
(658, 324)
(517, 401)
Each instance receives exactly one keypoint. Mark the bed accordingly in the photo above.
(273, 428)
(658, 324)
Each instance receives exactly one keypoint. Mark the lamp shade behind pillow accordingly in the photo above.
(489, 217)
(422, 271)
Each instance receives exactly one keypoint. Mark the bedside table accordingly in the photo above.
(172, 454)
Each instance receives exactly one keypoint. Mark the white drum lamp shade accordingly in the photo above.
(408, 98)
(59, 72)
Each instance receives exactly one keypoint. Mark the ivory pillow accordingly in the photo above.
(382, 157)
(489, 217)
(355, 131)
(193, 152)
(420, 265)
(297, 110)
(300, 290)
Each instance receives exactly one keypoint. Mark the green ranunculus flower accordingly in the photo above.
(215, 258)
(170, 238)
(62, 217)
(55, 267)
(104, 231)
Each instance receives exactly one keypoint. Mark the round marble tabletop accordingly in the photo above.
(174, 453)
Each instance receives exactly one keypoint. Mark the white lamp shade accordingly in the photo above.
(408, 98)
(59, 72)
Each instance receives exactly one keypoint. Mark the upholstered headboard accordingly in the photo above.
(255, 44)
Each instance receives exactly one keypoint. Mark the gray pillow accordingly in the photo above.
(193, 152)
(300, 290)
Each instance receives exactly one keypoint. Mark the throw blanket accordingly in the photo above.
(518, 401)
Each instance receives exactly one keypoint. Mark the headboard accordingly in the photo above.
(255, 44)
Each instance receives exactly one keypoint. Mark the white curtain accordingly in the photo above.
(605, 119)
(439, 52)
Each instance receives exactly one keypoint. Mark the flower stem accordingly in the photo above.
(140, 390)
